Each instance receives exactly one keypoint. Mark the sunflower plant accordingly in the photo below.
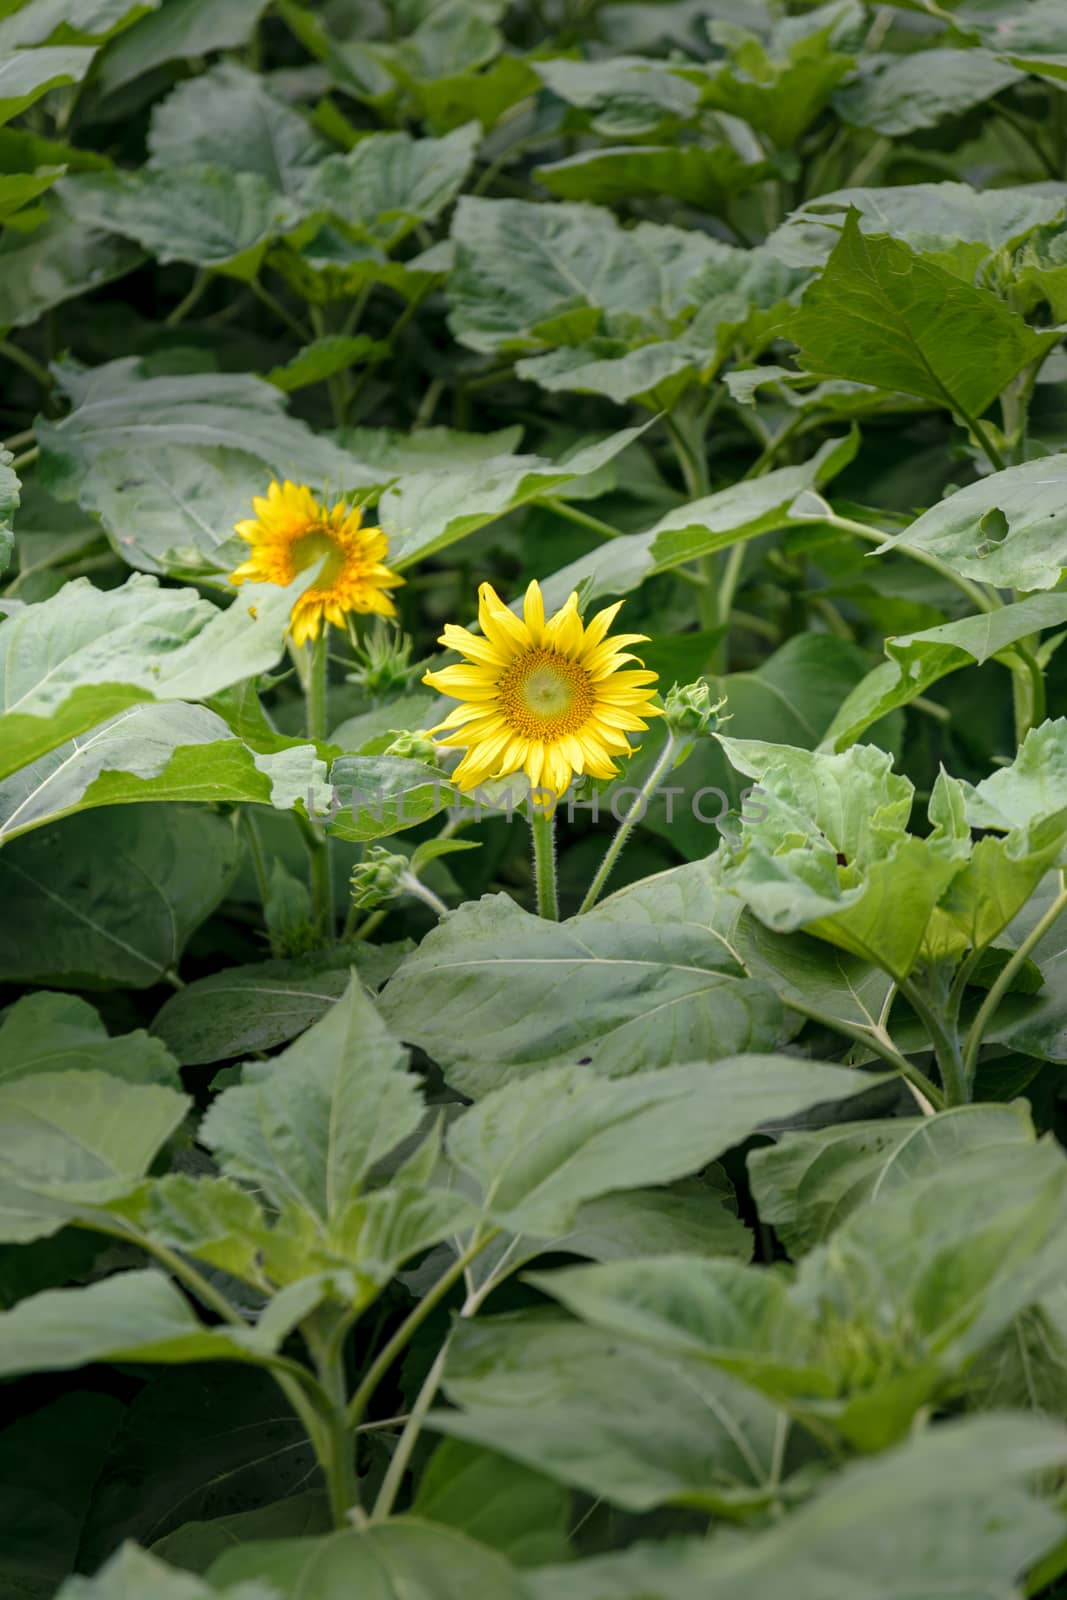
(533, 800)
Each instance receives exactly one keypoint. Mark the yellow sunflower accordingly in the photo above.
(291, 531)
(546, 698)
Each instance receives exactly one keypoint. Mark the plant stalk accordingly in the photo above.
(633, 815)
(543, 832)
(1002, 982)
(317, 724)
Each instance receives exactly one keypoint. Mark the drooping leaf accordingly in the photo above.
(921, 90)
(179, 29)
(496, 1501)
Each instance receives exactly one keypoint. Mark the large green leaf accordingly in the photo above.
(68, 21)
(494, 993)
(60, 1032)
(428, 510)
(133, 1316)
(208, 215)
(77, 659)
(547, 1392)
(169, 752)
(917, 660)
(132, 1574)
(496, 1501)
(9, 503)
(124, 407)
(389, 182)
(808, 1183)
(58, 260)
(947, 1511)
(403, 1559)
(1009, 529)
(75, 1140)
(25, 75)
(112, 896)
(625, 96)
(696, 174)
(255, 1007)
(885, 315)
(921, 90)
(960, 225)
(307, 1126)
(179, 29)
(540, 1147)
(530, 276)
(714, 522)
(229, 117)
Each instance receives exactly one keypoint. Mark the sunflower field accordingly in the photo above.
(533, 799)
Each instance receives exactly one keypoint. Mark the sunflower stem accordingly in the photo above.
(543, 829)
(634, 814)
(318, 843)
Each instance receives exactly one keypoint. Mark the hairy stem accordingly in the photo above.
(543, 832)
(633, 815)
(1002, 983)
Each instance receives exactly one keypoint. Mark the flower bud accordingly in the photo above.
(412, 746)
(376, 879)
(689, 709)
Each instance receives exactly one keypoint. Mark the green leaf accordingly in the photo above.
(503, 1505)
(377, 796)
(111, 897)
(153, 752)
(25, 75)
(47, 1488)
(695, 1216)
(428, 510)
(531, 276)
(131, 1574)
(322, 358)
(389, 182)
(209, 215)
(123, 408)
(808, 1183)
(626, 96)
(495, 994)
(75, 1140)
(945, 1510)
(917, 660)
(196, 1544)
(9, 504)
(179, 29)
(961, 226)
(698, 175)
(547, 1393)
(263, 1004)
(60, 1032)
(883, 314)
(86, 654)
(18, 189)
(1028, 791)
(218, 1444)
(58, 260)
(541, 1147)
(403, 1559)
(967, 529)
(307, 1126)
(69, 21)
(133, 1316)
(714, 522)
(920, 90)
(778, 95)
(228, 117)
(447, 102)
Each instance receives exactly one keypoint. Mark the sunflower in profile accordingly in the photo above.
(291, 531)
(550, 699)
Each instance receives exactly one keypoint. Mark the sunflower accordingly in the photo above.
(546, 698)
(292, 531)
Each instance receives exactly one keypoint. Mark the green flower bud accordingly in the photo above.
(377, 878)
(689, 709)
(413, 746)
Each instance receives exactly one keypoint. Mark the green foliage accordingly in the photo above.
(674, 1209)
